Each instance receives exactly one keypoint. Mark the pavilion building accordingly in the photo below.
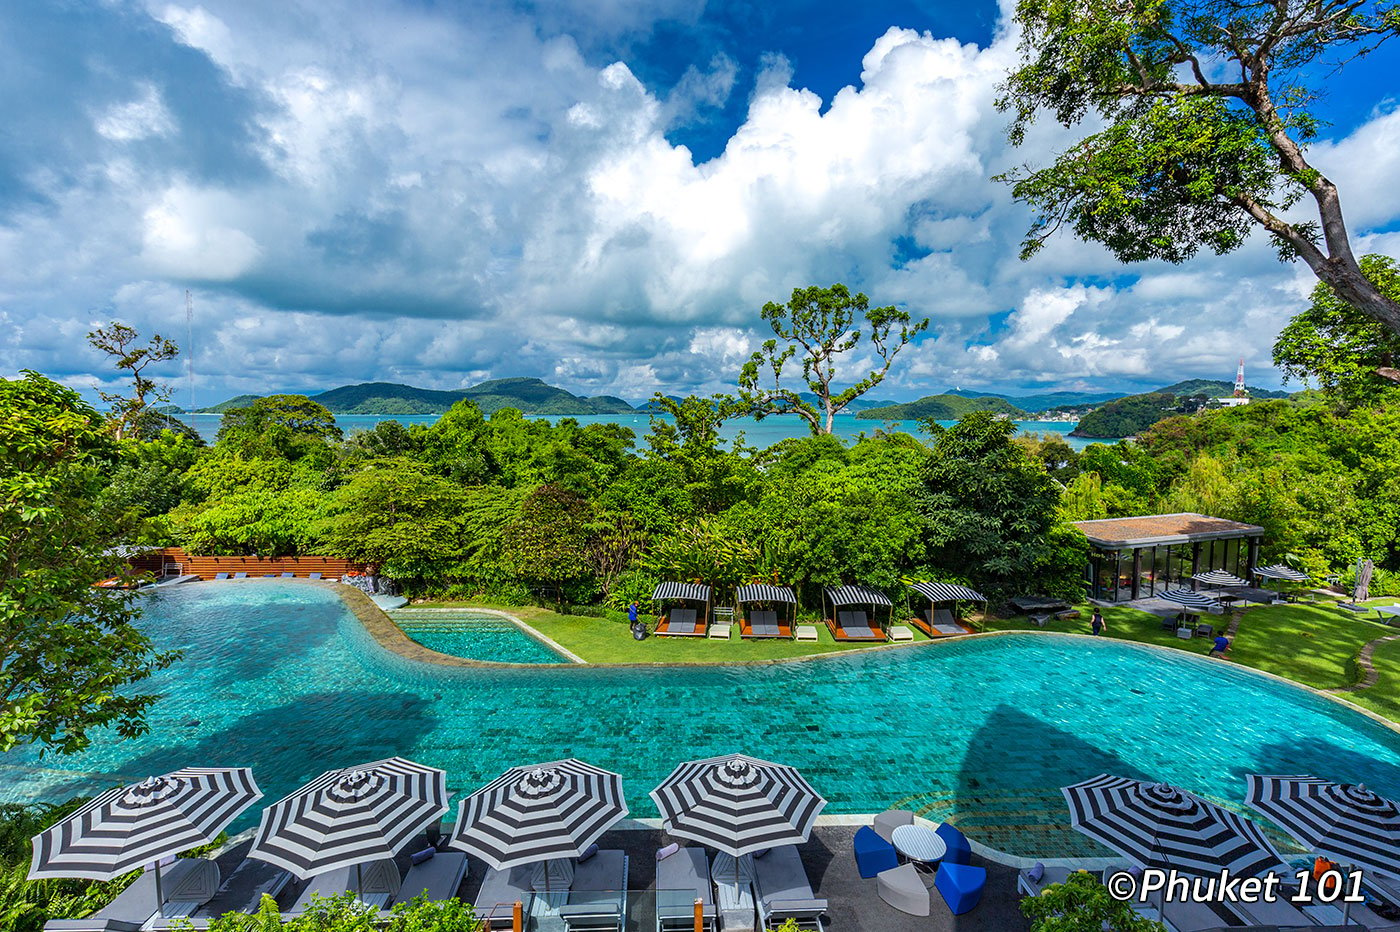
(1135, 558)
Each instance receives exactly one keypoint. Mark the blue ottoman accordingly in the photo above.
(959, 851)
(960, 885)
(873, 853)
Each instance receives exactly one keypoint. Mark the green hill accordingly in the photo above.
(1214, 388)
(942, 408)
(1126, 417)
(530, 396)
(1034, 404)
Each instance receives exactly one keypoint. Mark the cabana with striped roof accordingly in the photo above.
(849, 621)
(775, 619)
(683, 620)
(938, 619)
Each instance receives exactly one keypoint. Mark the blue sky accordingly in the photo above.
(600, 194)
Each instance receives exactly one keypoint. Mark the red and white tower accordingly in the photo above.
(1240, 391)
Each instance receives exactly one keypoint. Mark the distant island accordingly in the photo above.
(529, 396)
(1101, 415)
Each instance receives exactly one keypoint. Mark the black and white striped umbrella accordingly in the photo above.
(946, 592)
(1189, 599)
(1218, 578)
(539, 813)
(1345, 822)
(1160, 826)
(129, 826)
(738, 804)
(346, 817)
(856, 595)
(1280, 571)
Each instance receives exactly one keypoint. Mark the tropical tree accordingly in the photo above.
(1083, 904)
(547, 543)
(70, 652)
(398, 516)
(1207, 113)
(818, 322)
(1343, 349)
(713, 477)
(989, 510)
(289, 427)
(120, 342)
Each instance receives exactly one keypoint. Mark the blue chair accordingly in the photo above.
(959, 851)
(960, 885)
(221, 575)
(873, 853)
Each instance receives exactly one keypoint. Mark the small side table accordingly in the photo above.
(718, 630)
(806, 633)
(921, 845)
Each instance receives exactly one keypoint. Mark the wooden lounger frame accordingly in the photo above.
(702, 624)
(881, 631)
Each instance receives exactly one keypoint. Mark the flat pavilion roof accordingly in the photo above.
(1149, 530)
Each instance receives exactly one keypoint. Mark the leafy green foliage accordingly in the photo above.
(820, 321)
(941, 408)
(345, 913)
(1126, 417)
(989, 510)
(290, 427)
(118, 341)
(547, 543)
(1338, 346)
(399, 517)
(1083, 904)
(68, 650)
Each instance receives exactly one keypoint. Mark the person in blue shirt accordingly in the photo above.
(632, 611)
(1222, 644)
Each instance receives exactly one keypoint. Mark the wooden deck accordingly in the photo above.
(838, 633)
(746, 631)
(923, 625)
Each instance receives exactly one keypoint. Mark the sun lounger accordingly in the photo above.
(1028, 883)
(136, 905)
(313, 575)
(598, 896)
(854, 626)
(500, 891)
(1277, 913)
(288, 576)
(942, 621)
(763, 624)
(1181, 915)
(436, 878)
(377, 882)
(681, 879)
(240, 575)
(681, 622)
(783, 891)
(251, 880)
(221, 575)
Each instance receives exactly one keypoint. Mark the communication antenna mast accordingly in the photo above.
(189, 342)
(1240, 390)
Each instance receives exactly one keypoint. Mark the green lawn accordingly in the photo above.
(1315, 645)
(1311, 644)
(604, 640)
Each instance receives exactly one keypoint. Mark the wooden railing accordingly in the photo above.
(207, 567)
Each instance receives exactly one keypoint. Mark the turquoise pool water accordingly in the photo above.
(280, 677)
(475, 636)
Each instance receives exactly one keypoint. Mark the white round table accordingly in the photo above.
(919, 844)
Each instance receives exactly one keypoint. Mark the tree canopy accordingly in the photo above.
(68, 649)
(1206, 106)
(818, 322)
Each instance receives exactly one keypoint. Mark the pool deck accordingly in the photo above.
(855, 905)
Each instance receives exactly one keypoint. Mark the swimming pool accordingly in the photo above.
(474, 635)
(282, 678)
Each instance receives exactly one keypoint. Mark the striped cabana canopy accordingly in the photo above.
(694, 592)
(1218, 578)
(856, 595)
(1189, 599)
(946, 592)
(1280, 571)
(761, 593)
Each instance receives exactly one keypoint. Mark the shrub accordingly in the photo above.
(344, 913)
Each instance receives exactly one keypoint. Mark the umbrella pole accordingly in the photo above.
(160, 897)
(359, 881)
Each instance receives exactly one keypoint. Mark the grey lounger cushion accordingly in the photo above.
(598, 891)
(689, 870)
(131, 908)
(438, 877)
(855, 624)
(1030, 887)
(781, 885)
(500, 890)
(904, 889)
(91, 924)
(764, 624)
(1182, 916)
(681, 621)
(378, 881)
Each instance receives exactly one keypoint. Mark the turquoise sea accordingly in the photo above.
(756, 433)
(279, 676)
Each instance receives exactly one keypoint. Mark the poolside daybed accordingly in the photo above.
(683, 621)
(772, 622)
(938, 619)
(848, 618)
